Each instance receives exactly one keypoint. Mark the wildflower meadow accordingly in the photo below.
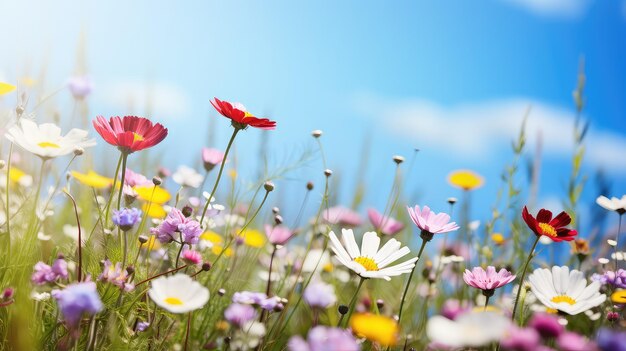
(108, 245)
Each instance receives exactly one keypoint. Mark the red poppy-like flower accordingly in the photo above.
(240, 117)
(130, 133)
(554, 228)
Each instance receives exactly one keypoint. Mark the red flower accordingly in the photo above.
(240, 117)
(544, 224)
(131, 133)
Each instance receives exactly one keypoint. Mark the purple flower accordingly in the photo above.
(45, 274)
(258, 299)
(617, 279)
(453, 308)
(126, 218)
(547, 325)
(342, 216)
(611, 340)
(174, 223)
(211, 158)
(487, 280)
(521, 339)
(76, 300)
(323, 338)
(239, 314)
(59, 267)
(428, 221)
(80, 86)
(278, 235)
(569, 341)
(319, 295)
(115, 275)
(142, 326)
(385, 224)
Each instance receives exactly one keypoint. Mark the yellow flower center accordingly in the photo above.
(563, 298)
(247, 114)
(368, 263)
(137, 137)
(49, 144)
(173, 301)
(547, 229)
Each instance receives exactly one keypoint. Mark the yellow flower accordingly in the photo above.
(93, 179)
(154, 210)
(253, 238)
(152, 243)
(465, 179)
(619, 296)
(211, 236)
(498, 238)
(160, 195)
(217, 249)
(17, 176)
(6, 88)
(376, 328)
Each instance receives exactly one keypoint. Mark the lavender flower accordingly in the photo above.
(617, 279)
(239, 314)
(174, 223)
(142, 326)
(319, 295)
(258, 299)
(126, 218)
(115, 275)
(80, 86)
(76, 300)
(323, 338)
(611, 340)
(278, 235)
(45, 274)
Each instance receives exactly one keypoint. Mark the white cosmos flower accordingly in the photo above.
(45, 140)
(612, 204)
(187, 176)
(473, 329)
(370, 262)
(565, 290)
(178, 293)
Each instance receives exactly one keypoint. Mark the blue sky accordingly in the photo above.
(452, 78)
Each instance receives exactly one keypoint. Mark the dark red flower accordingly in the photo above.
(130, 133)
(544, 224)
(240, 117)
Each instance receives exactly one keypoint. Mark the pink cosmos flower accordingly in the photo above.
(192, 257)
(488, 280)
(135, 179)
(342, 216)
(130, 133)
(211, 158)
(429, 221)
(385, 224)
(278, 235)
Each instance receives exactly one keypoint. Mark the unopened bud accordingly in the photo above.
(309, 186)
(7, 293)
(206, 266)
(221, 292)
(452, 200)
(130, 269)
(328, 172)
(343, 309)
(380, 303)
(187, 211)
(60, 256)
(398, 159)
(79, 151)
(278, 219)
(275, 210)
(19, 110)
(156, 181)
(143, 239)
(316, 133)
(2, 164)
(268, 186)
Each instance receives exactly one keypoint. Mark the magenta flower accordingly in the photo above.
(342, 216)
(176, 225)
(431, 222)
(116, 275)
(278, 235)
(385, 224)
(521, 339)
(546, 325)
(488, 280)
(211, 158)
(192, 257)
(46, 274)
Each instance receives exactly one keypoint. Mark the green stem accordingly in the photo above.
(521, 282)
(117, 170)
(119, 195)
(408, 282)
(353, 301)
(219, 174)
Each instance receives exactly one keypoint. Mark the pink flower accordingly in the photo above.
(343, 216)
(130, 133)
(135, 179)
(386, 225)
(192, 257)
(428, 221)
(278, 235)
(211, 158)
(488, 280)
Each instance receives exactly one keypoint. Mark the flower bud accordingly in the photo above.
(206, 266)
(328, 172)
(79, 151)
(398, 159)
(343, 309)
(268, 186)
(316, 133)
(187, 211)
(309, 186)
(156, 181)
(143, 239)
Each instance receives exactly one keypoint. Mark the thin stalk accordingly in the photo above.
(353, 301)
(117, 170)
(8, 207)
(161, 274)
(408, 282)
(119, 195)
(619, 228)
(521, 282)
(269, 278)
(80, 243)
(219, 174)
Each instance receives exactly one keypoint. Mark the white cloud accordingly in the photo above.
(479, 131)
(159, 100)
(554, 8)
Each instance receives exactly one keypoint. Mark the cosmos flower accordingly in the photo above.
(45, 140)
(380, 329)
(278, 235)
(370, 261)
(131, 133)
(465, 179)
(472, 329)
(134, 179)
(565, 290)
(187, 176)
(431, 222)
(614, 204)
(521, 339)
(211, 158)
(178, 293)
(240, 117)
(385, 224)
(191, 257)
(488, 280)
(342, 216)
(545, 225)
(77, 300)
(321, 338)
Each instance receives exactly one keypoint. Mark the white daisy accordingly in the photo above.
(45, 140)
(178, 293)
(187, 176)
(613, 204)
(370, 262)
(565, 290)
(468, 329)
